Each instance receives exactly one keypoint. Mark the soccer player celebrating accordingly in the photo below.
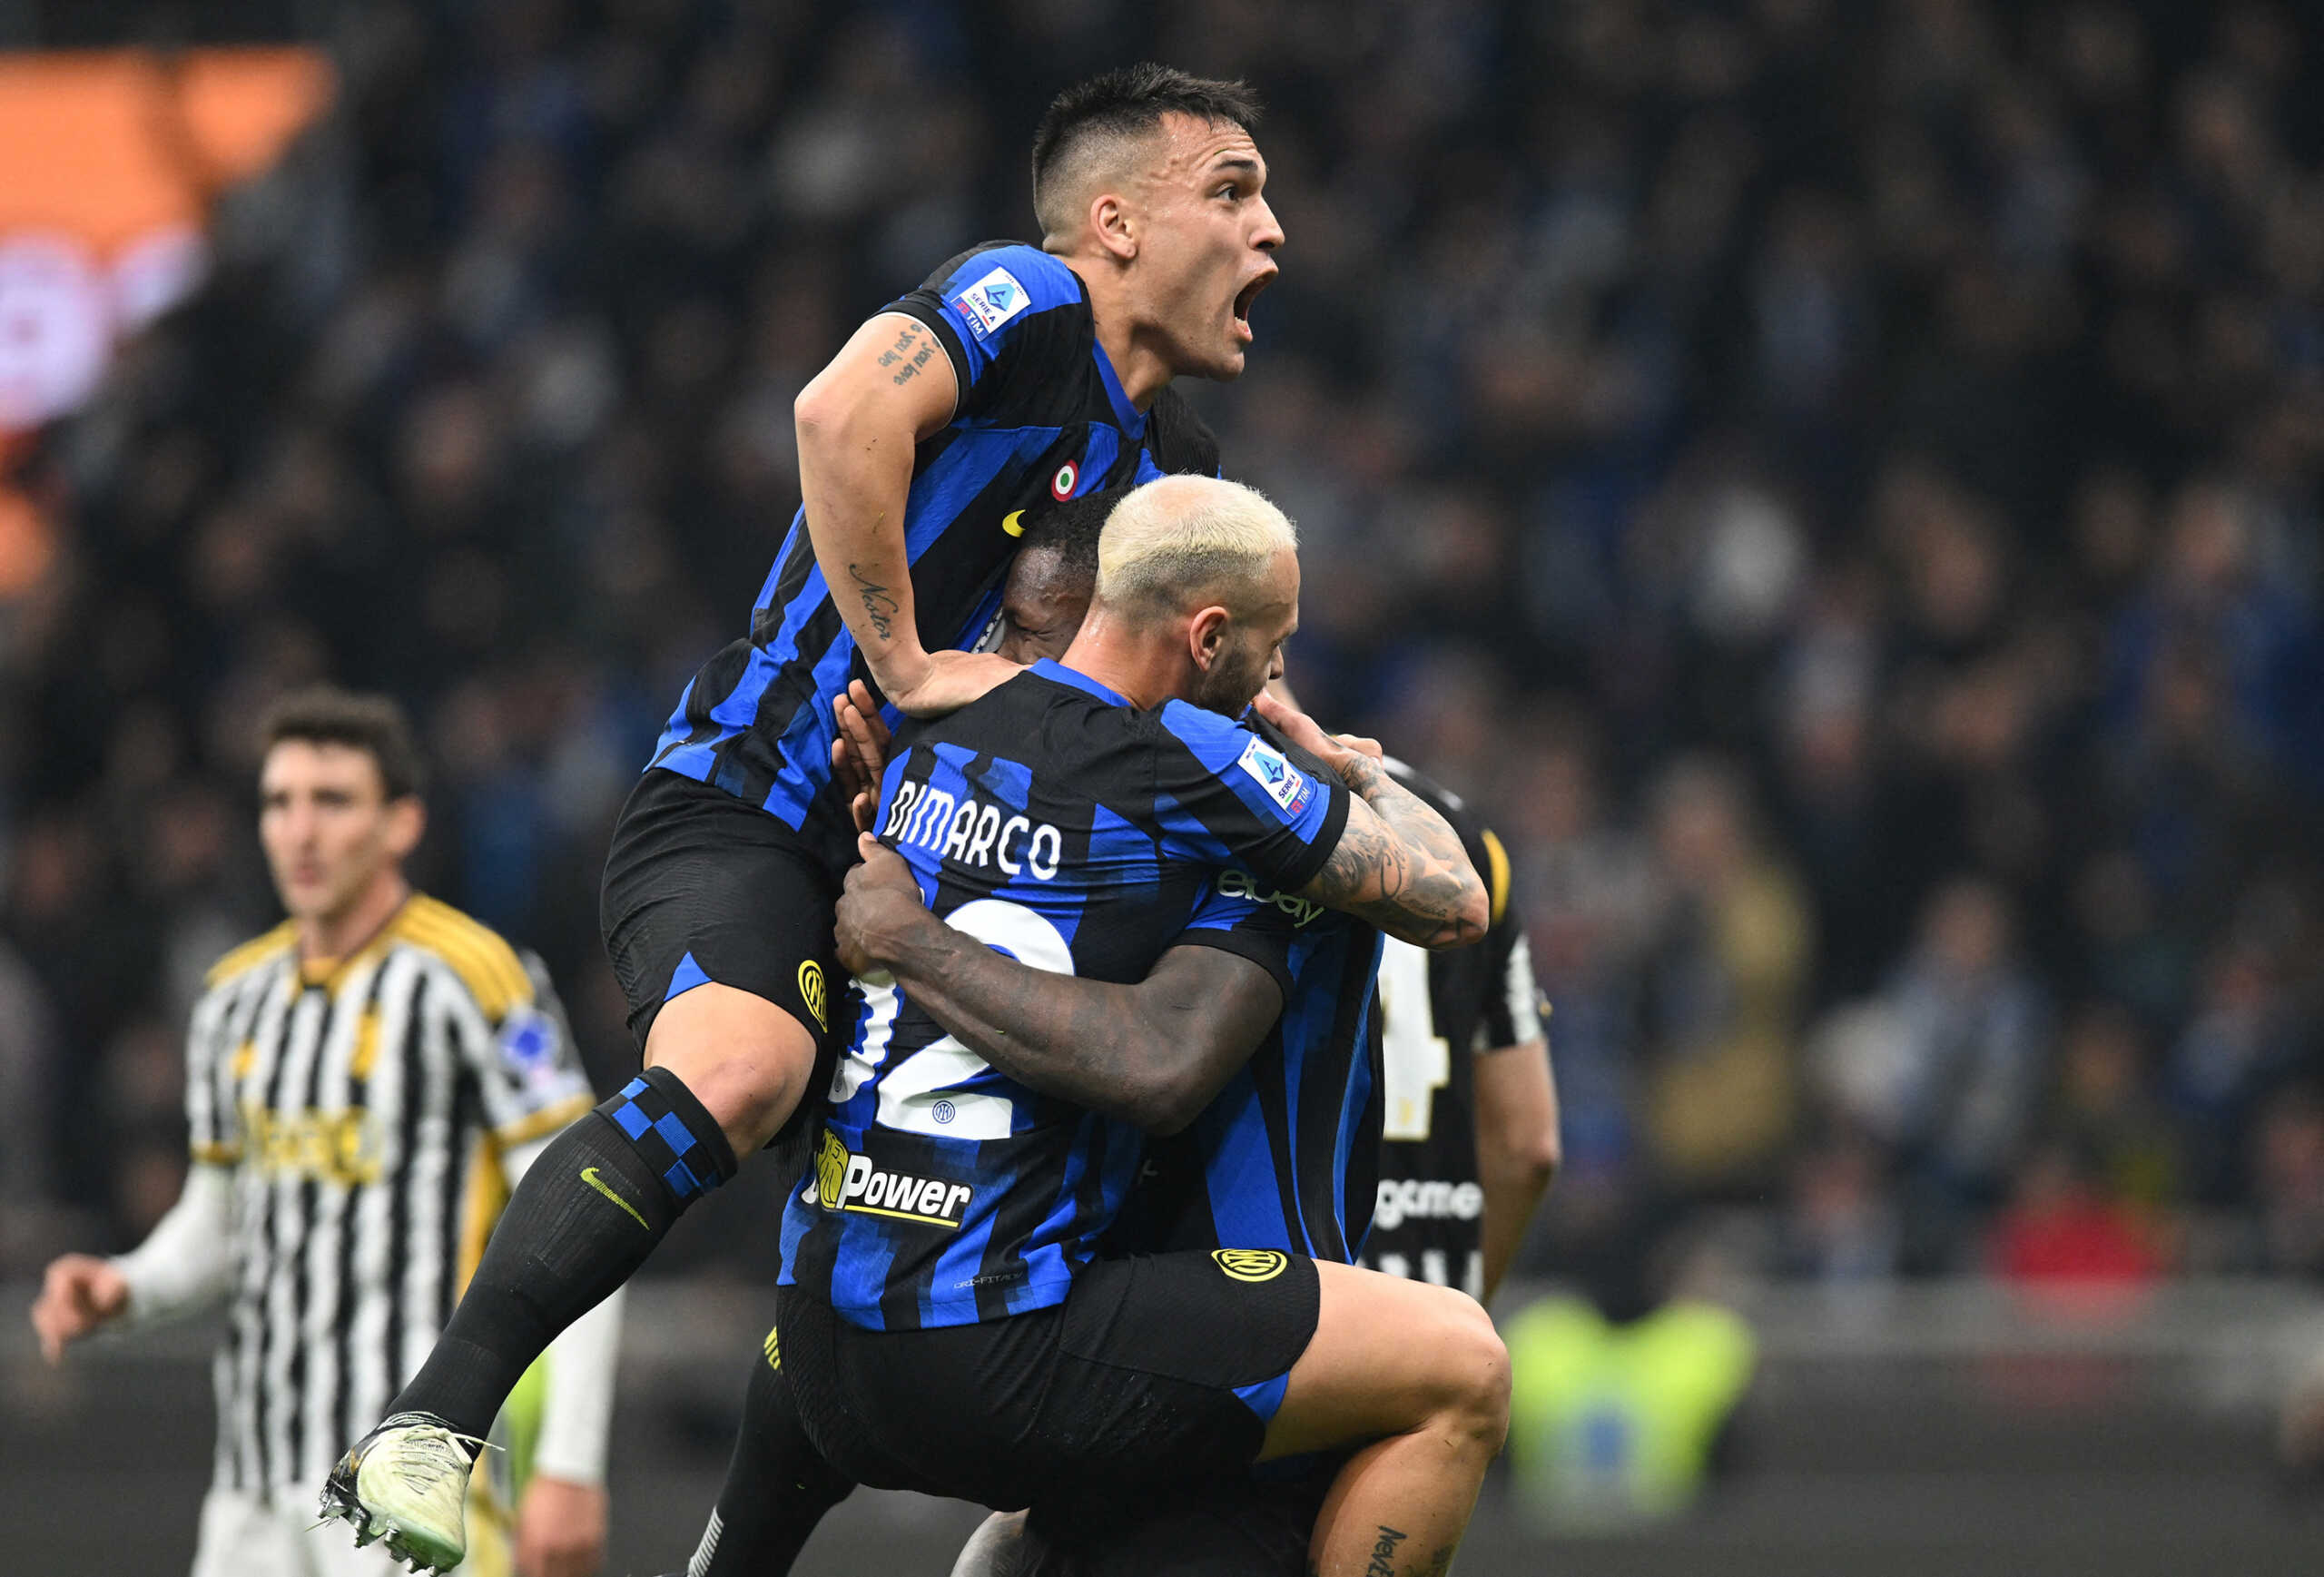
(945, 1324)
(1470, 1143)
(362, 1083)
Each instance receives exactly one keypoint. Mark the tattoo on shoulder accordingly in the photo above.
(909, 354)
(878, 607)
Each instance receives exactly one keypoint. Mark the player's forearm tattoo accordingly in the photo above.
(878, 605)
(1383, 1552)
(1402, 868)
(909, 354)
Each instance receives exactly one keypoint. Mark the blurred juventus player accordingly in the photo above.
(1471, 1135)
(364, 1084)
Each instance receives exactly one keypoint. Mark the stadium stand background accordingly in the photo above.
(1837, 484)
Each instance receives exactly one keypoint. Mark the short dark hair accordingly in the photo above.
(325, 714)
(1131, 102)
(1071, 531)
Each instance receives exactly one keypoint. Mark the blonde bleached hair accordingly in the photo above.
(1177, 539)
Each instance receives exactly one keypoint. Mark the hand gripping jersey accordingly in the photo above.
(1041, 417)
(1438, 1010)
(1054, 822)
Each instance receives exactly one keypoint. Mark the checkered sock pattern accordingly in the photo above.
(677, 1140)
(587, 1214)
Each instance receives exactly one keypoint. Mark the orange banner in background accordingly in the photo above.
(109, 161)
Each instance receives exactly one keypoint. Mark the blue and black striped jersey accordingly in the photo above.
(1287, 1155)
(1055, 823)
(1041, 415)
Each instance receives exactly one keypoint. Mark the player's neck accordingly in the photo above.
(324, 938)
(1144, 666)
(1142, 372)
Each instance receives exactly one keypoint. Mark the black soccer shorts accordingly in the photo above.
(1156, 1370)
(701, 886)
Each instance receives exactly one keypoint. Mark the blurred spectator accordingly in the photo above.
(1843, 1226)
(1729, 960)
(1946, 1067)
(2289, 1179)
(2107, 1109)
(2062, 1230)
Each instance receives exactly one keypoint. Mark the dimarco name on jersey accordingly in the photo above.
(968, 834)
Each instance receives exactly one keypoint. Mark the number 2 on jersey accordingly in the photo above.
(1415, 1061)
(919, 1094)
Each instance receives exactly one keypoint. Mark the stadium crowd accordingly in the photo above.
(1858, 544)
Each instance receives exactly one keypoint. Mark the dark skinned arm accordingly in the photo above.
(1152, 1053)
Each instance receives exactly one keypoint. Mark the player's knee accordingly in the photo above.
(1471, 1366)
(746, 1061)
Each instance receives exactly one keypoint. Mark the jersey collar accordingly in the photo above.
(1056, 672)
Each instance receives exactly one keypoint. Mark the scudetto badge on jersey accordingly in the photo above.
(1285, 784)
(993, 300)
(528, 1044)
(845, 1180)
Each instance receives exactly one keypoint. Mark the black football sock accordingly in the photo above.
(778, 1485)
(589, 1209)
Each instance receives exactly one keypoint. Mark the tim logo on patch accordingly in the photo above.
(1285, 784)
(991, 301)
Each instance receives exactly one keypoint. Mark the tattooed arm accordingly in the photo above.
(1398, 863)
(859, 423)
(1152, 1053)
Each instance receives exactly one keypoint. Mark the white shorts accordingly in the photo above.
(242, 1537)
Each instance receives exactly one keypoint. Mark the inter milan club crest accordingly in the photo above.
(811, 993)
(1251, 1264)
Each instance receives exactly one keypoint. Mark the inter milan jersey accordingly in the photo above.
(1286, 1155)
(1054, 823)
(1437, 1009)
(1041, 417)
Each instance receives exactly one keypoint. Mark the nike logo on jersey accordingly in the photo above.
(589, 1176)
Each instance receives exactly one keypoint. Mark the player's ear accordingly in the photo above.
(1114, 225)
(1206, 636)
(407, 824)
